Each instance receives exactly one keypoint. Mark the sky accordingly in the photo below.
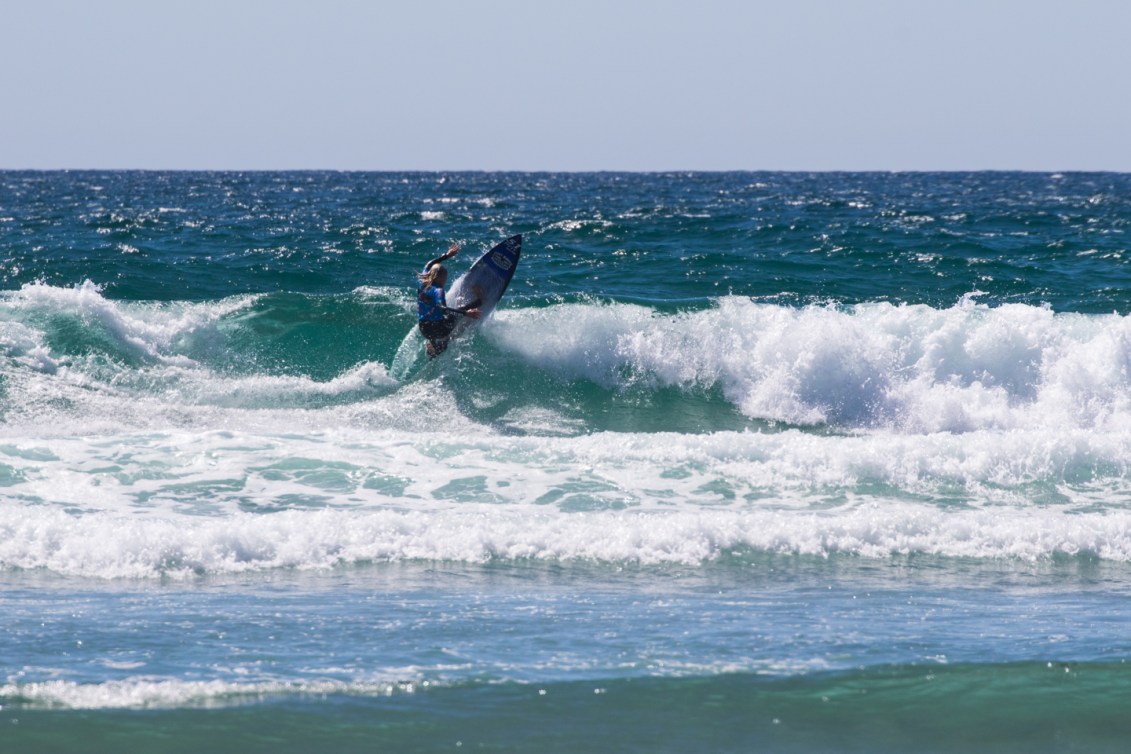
(572, 85)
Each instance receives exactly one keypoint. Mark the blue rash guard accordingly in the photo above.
(436, 320)
(431, 303)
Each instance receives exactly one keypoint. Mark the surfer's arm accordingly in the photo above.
(451, 252)
(472, 309)
(469, 310)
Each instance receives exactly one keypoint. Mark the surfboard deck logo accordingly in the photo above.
(501, 261)
(488, 278)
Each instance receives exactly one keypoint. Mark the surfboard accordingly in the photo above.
(488, 277)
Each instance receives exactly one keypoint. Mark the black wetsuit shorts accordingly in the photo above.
(438, 331)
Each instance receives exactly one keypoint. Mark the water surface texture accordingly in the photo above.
(742, 462)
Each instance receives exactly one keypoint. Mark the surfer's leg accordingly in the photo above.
(438, 334)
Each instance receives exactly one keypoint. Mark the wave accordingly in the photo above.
(73, 358)
(841, 700)
(1036, 706)
(911, 369)
(914, 369)
(213, 408)
(109, 546)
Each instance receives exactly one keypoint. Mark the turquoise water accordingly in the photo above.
(786, 462)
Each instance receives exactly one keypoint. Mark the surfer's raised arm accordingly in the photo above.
(451, 252)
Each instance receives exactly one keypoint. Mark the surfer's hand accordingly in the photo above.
(474, 313)
(453, 249)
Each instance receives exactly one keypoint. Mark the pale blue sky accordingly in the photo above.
(566, 85)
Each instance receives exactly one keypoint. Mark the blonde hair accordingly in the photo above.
(436, 272)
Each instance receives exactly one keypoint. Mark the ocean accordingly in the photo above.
(783, 462)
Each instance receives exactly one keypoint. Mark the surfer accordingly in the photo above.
(436, 320)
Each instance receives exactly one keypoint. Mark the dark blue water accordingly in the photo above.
(917, 238)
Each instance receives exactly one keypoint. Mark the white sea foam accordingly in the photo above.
(911, 368)
(23, 346)
(158, 385)
(963, 432)
(158, 693)
(108, 546)
(204, 388)
(139, 329)
(227, 471)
